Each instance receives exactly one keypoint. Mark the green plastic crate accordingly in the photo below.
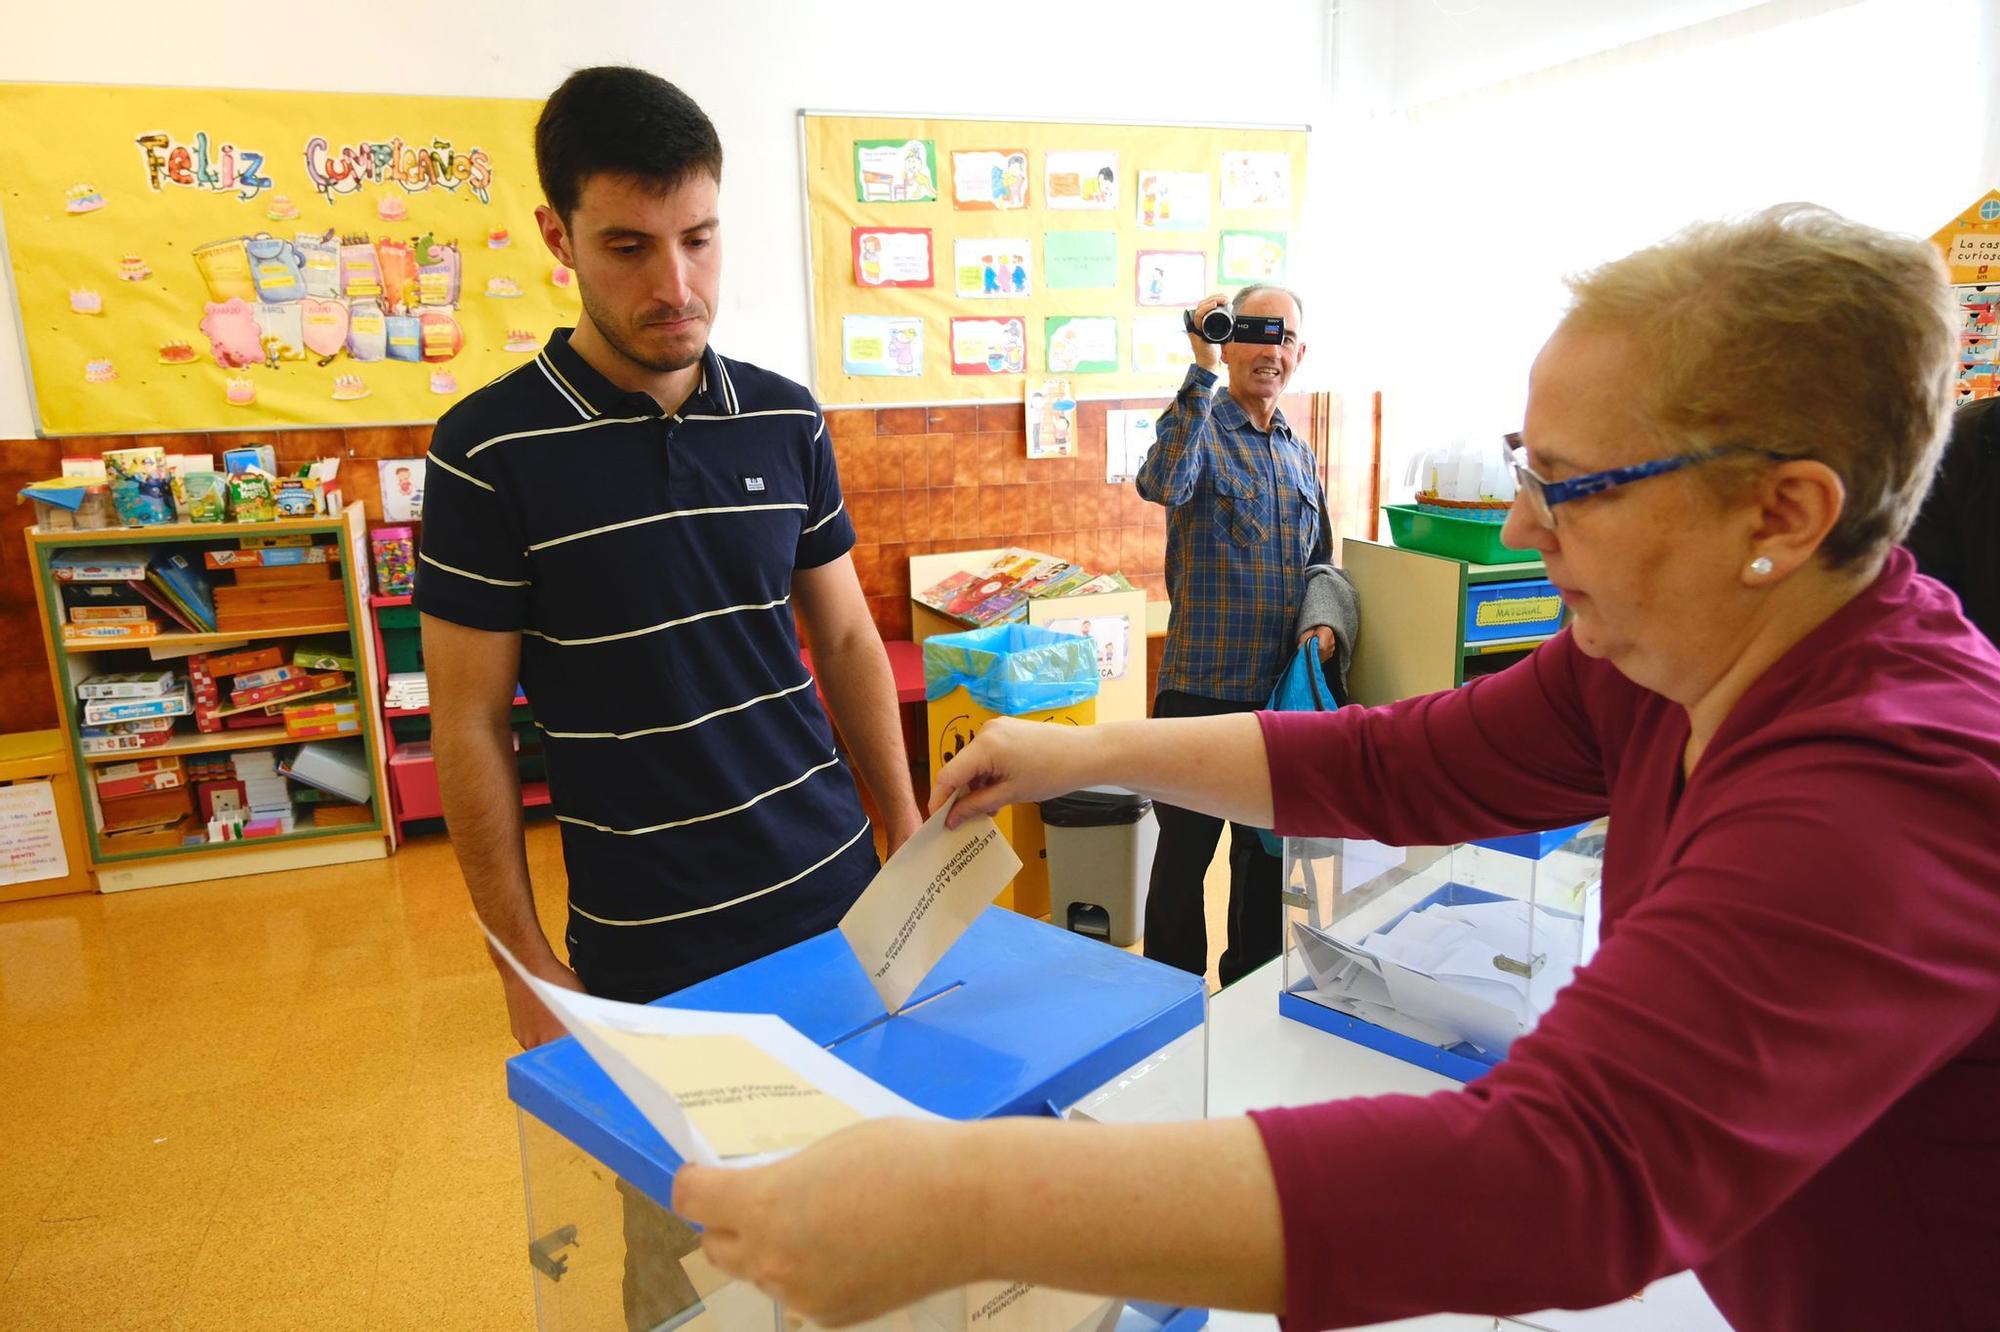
(1459, 538)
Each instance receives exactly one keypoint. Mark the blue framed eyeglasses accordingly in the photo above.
(1543, 496)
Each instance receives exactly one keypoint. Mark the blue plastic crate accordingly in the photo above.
(1520, 609)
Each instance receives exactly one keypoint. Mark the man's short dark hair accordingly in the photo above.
(620, 121)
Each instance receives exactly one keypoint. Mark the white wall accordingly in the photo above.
(752, 64)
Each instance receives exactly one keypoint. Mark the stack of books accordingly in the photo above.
(267, 797)
(407, 689)
(1000, 593)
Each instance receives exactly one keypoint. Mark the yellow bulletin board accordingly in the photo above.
(1970, 244)
(953, 260)
(216, 260)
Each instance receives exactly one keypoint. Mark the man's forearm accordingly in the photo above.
(861, 693)
(480, 788)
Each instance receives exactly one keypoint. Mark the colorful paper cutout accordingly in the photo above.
(1080, 260)
(992, 267)
(1080, 180)
(892, 257)
(988, 346)
(1172, 277)
(989, 178)
(889, 346)
(1252, 256)
(895, 170)
(1081, 344)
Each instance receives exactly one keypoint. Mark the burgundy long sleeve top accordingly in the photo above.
(1781, 1069)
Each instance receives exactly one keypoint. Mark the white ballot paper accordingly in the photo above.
(735, 1089)
(931, 890)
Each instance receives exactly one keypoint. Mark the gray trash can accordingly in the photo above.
(1100, 844)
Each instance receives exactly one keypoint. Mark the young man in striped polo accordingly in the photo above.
(625, 525)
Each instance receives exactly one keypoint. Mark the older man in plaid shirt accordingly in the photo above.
(1245, 516)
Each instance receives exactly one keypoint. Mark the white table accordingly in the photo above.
(1259, 1058)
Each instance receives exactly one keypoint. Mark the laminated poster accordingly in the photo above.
(1173, 200)
(892, 257)
(988, 346)
(992, 267)
(1252, 256)
(1160, 345)
(1051, 417)
(1128, 438)
(1081, 344)
(1078, 181)
(402, 481)
(1080, 260)
(895, 170)
(888, 346)
(1172, 277)
(1256, 180)
(989, 179)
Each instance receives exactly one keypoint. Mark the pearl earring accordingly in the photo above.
(1760, 567)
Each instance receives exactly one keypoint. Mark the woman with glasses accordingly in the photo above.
(1782, 1068)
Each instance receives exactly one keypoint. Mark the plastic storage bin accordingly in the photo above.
(1459, 538)
(1019, 1018)
(1441, 956)
(1517, 609)
(1100, 846)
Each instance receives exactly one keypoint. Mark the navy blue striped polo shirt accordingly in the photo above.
(646, 560)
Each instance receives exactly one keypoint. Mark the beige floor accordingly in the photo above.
(271, 1102)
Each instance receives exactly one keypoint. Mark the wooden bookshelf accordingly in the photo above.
(118, 867)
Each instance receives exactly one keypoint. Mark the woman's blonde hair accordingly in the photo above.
(1800, 332)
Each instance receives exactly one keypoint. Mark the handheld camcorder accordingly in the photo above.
(1219, 325)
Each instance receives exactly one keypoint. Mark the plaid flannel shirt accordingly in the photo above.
(1243, 522)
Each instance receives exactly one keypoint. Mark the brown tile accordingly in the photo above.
(1062, 507)
(901, 421)
(859, 460)
(991, 453)
(1041, 509)
(1156, 549)
(939, 520)
(941, 460)
(1015, 463)
(865, 508)
(850, 422)
(1008, 416)
(1014, 508)
(1132, 549)
(40, 459)
(965, 512)
(896, 568)
(387, 441)
(953, 420)
(868, 567)
(894, 622)
(915, 465)
(1103, 506)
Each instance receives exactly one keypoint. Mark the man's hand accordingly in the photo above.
(847, 1229)
(1010, 761)
(1326, 641)
(1207, 355)
(532, 1022)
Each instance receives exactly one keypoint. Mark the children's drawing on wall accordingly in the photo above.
(988, 346)
(992, 267)
(1256, 180)
(1173, 200)
(1252, 256)
(1159, 345)
(882, 346)
(402, 482)
(892, 256)
(990, 178)
(1081, 344)
(1080, 179)
(1128, 438)
(1051, 417)
(1172, 277)
(895, 170)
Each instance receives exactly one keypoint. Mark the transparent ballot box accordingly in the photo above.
(1439, 955)
(1019, 1018)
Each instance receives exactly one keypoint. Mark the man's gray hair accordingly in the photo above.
(1237, 302)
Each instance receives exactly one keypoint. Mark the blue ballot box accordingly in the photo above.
(1019, 1018)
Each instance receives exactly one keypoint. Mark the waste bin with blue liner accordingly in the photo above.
(1100, 847)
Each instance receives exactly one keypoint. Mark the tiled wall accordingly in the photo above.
(917, 481)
